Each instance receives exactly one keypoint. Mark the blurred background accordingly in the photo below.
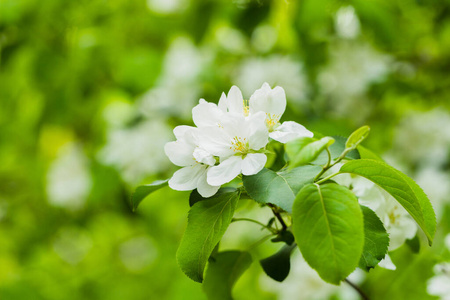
(91, 90)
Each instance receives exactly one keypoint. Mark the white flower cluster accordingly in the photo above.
(229, 139)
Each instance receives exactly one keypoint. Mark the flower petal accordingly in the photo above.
(258, 135)
(205, 189)
(270, 101)
(187, 178)
(235, 101)
(186, 133)
(386, 263)
(206, 114)
(180, 153)
(225, 172)
(223, 103)
(215, 141)
(253, 163)
(203, 156)
(289, 131)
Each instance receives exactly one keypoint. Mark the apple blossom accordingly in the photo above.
(186, 153)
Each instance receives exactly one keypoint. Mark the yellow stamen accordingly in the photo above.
(272, 120)
(246, 108)
(239, 144)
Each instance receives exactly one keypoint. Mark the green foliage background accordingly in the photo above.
(74, 72)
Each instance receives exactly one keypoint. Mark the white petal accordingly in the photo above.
(235, 101)
(270, 101)
(223, 102)
(187, 178)
(253, 163)
(180, 153)
(206, 114)
(386, 263)
(204, 188)
(259, 135)
(203, 156)
(289, 131)
(225, 172)
(184, 132)
(215, 141)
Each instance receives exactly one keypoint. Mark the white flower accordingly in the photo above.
(270, 101)
(186, 153)
(439, 285)
(236, 142)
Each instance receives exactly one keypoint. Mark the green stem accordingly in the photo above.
(277, 215)
(254, 221)
(356, 288)
(259, 242)
(326, 178)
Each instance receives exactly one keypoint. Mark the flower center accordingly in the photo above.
(246, 108)
(239, 144)
(272, 121)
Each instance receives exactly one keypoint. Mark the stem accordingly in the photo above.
(326, 167)
(278, 216)
(326, 178)
(254, 221)
(356, 288)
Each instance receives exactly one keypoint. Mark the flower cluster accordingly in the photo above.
(229, 139)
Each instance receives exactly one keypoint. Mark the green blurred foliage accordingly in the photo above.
(63, 63)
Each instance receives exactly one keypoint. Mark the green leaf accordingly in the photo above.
(305, 150)
(336, 150)
(223, 272)
(278, 265)
(366, 153)
(328, 228)
(143, 191)
(279, 188)
(357, 137)
(401, 187)
(376, 240)
(207, 222)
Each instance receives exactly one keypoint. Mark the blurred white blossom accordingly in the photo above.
(138, 151)
(303, 283)
(279, 70)
(423, 138)
(439, 285)
(167, 7)
(352, 68)
(435, 184)
(68, 178)
(346, 22)
(178, 87)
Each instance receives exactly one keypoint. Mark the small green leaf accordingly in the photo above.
(336, 150)
(328, 227)
(357, 137)
(401, 187)
(305, 150)
(376, 240)
(279, 188)
(143, 191)
(207, 222)
(223, 272)
(278, 265)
